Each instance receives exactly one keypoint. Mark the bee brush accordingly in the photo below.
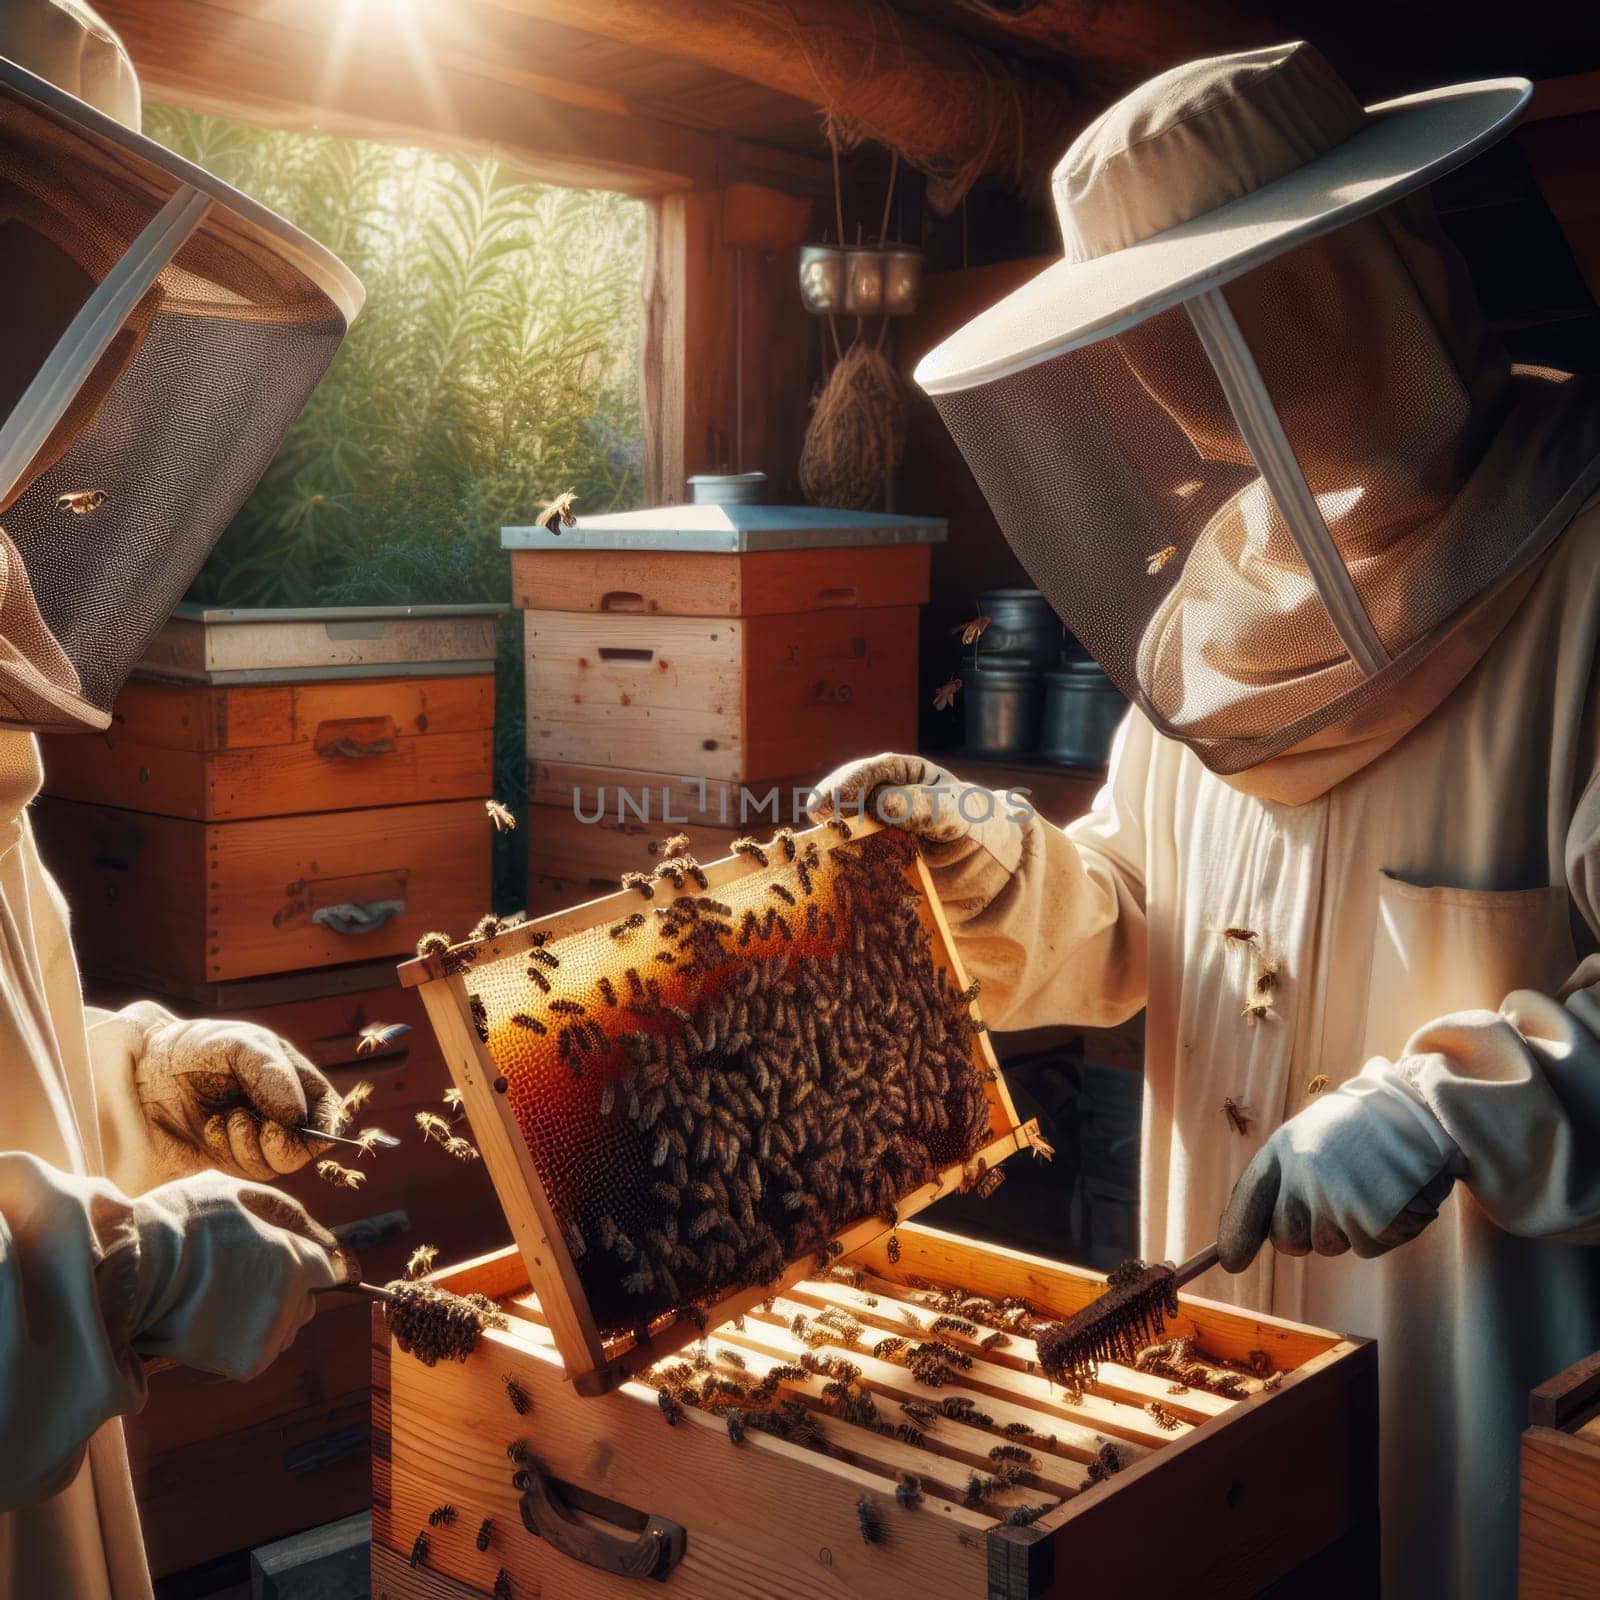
(1131, 1314)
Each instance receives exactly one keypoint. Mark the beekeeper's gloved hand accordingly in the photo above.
(1365, 1167)
(226, 1273)
(922, 798)
(224, 1094)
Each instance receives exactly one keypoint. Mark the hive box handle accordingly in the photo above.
(655, 1550)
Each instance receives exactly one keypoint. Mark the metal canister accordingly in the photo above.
(1081, 711)
(1020, 623)
(1004, 697)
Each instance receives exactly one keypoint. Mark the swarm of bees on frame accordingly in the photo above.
(712, 1093)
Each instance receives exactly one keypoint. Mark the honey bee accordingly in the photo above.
(485, 1532)
(945, 695)
(1266, 977)
(735, 1426)
(908, 1490)
(545, 958)
(81, 502)
(1240, 935)
(989, 1182)
(433, 944)
(421, 1260)
(462, 1149)
(502, 1585)
(538, 980)
(672, 871)
(1153, 564)
(784, 839)
(500, 815)
(521, 1019)
(888, 1349)
(641, 882)
(488, 926)
(433, 1126)
(1238, 1115)
(442, 1516)
(377, 1034)
(607, 992)
(870, 1521)
(676, 844)
(751, 847)
(997, 1340)
(892, 1250)
(521, 1402)
(517, 1453)
(971, 632)
(354, 1103)
(419, 1551)
(1013, 1452)
(1317, 1084)
(633, 920)
(670, 1409)
(340, 1177)
(781, 892)
(1257, 1011)
(569, 1008)
(559, 513)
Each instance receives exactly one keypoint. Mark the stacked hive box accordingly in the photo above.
(689, 666)
(283, 803)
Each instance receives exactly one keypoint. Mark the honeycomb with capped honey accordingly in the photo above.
(716, 1081)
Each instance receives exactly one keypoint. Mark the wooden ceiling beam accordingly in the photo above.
(947, 104)
(290, 67)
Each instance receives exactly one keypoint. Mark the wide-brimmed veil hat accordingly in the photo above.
(161, 333)
(1251, 434)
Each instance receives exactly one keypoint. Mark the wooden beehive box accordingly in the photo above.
(549, 1124)
(1268, 1490)
(279, 790)
(739, 643)
(1559, 1554)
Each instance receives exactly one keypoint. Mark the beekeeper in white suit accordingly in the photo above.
(158, 333)
(1253, 440)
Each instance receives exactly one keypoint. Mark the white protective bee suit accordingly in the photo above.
(129, 1229)
(1409, 1004)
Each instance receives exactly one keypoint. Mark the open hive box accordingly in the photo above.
(843, 1403)
(1271, 1482)
(692, 1093)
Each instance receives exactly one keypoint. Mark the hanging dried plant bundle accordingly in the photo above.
(857, 431)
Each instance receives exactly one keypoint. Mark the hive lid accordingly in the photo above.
(730, 529)
(577, 1155)
(237, 645)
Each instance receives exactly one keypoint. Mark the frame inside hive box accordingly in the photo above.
(558, 1042)
(1258, 1476)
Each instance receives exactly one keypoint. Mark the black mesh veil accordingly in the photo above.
(161, 333)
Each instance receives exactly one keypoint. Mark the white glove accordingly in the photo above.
(1364, 1168)
(923, 799)
(226, 1273)
(227, 1094)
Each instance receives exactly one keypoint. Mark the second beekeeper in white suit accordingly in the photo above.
(160, 332)
(1254, 441)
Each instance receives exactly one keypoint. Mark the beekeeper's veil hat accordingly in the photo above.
(1250, 435)
(159, 332)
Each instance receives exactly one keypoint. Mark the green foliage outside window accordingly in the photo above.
(495, 365)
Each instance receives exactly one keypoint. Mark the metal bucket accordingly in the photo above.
(1004, 697)
(1020, 623)
(1081, 713)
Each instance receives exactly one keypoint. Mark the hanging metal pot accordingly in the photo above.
(863, 282)
(822, 272)
(902, 280)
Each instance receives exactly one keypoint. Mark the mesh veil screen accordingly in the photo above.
(177, 422)
(1121, 481)
(712, 1088)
